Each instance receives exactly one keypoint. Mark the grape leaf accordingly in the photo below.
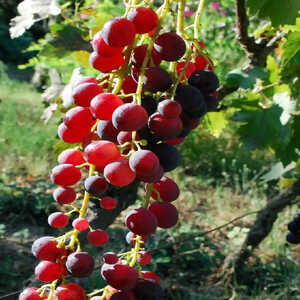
(262, 128)
(216, 122)
(238, 78)
(30, 12)
(69, 38)
(291, 152)
(291, 53)
(280, 12)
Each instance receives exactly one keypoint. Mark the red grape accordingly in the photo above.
(65, 175)
(98, 237)
(170, 46)
(110, 258)
(200, 63)
(169, 108)
(72, 136)
(58, 220)
(155, 176)
(84, 93)
(100, 153)
(121, 277)
(89, 138)
(118, 32)
(150, 275)
(119, 173)
(163, 128)
(126, 136)
(78, 117)
(191, 67)
(144, 19)
(144, 162)
(145, 258)
(71, 156)
(70, 291)
(108, 203)
(139, 54)
(129, 85)
(165, 212)
(31, 294)
(80, 224)
(129, 117)
(167, 189)
(103, 105)
(141, 221)
(106, 64)
(48, 271)
(84, 79)
(80, 264)
(191, 100)
(102, 48)
(45, 248)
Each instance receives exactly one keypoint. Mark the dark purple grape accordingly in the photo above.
(80, 264)
(149, 104)
(206, 81)
(211, 102)
(170, 46)
(164, 128)
(148, 290)
(168, 155)
(95, 185)
(191, 100)
(156, 79)
(293, 238)
(107, 131)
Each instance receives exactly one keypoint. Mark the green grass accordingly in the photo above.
(26, 142)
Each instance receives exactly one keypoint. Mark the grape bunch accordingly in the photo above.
(293, 236)
(125, 125)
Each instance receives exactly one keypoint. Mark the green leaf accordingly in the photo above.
(263, 128)
(291, 152)
(291, 53)
(278, 11)
(67, 37)
(249, 101)
(273, 68)
(239, 79)
(216, 122)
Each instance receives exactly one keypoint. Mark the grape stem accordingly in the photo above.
(86, 194)
(197, 19)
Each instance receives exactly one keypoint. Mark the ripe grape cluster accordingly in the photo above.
(293, 236)
(126, 124)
